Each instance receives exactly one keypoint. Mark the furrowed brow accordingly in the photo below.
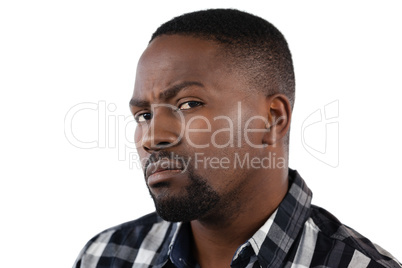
(167, 94)
(139, 103)
(174, 90)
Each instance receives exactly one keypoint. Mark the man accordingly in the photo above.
(213, 98)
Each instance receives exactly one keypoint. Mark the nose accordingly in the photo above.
(163, 130)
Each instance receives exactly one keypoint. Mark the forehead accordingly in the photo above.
(172, 59)
(179, 47)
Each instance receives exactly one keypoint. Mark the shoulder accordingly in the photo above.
(344, 243)
(136, 229)
(149, 234)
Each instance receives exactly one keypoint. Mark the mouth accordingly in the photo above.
(161, 171)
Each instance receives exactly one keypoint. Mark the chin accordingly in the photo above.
(184, 208)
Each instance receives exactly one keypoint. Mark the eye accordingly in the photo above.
(143, 117)
(189, 104)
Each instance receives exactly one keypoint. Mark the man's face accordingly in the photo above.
(193, 135)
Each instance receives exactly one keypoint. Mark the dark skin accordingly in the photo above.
(190, 74)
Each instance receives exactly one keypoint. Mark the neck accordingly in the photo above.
(218, 236)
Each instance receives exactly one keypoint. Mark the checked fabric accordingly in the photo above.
(297, 234)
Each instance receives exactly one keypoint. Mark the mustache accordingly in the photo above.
(159, 155)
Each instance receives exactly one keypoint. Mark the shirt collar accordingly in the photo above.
(180, 247)
(284, 225)
(271, 242)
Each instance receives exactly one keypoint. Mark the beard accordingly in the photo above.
(197, 199)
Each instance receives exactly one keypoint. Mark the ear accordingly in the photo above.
(279, 115)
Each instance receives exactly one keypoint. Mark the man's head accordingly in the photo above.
(212, 98)
(252, 46)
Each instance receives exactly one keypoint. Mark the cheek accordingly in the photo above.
(211, 132)
(198, 132)
(138, 136)
(225, 134)
(139, 133)
(253, 131)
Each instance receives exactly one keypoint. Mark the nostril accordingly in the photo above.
(163, 144)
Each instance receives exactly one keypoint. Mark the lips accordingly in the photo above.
(162, 170)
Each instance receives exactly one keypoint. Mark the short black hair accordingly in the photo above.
(258, 50)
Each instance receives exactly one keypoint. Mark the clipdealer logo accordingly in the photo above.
(319, 131)
(320, 134)
(114, 131)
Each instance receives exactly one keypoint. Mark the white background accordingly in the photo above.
(57, 54)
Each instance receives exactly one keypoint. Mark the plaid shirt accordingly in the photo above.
(297, 234)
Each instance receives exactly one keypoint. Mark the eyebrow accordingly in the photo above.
(167, 94)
